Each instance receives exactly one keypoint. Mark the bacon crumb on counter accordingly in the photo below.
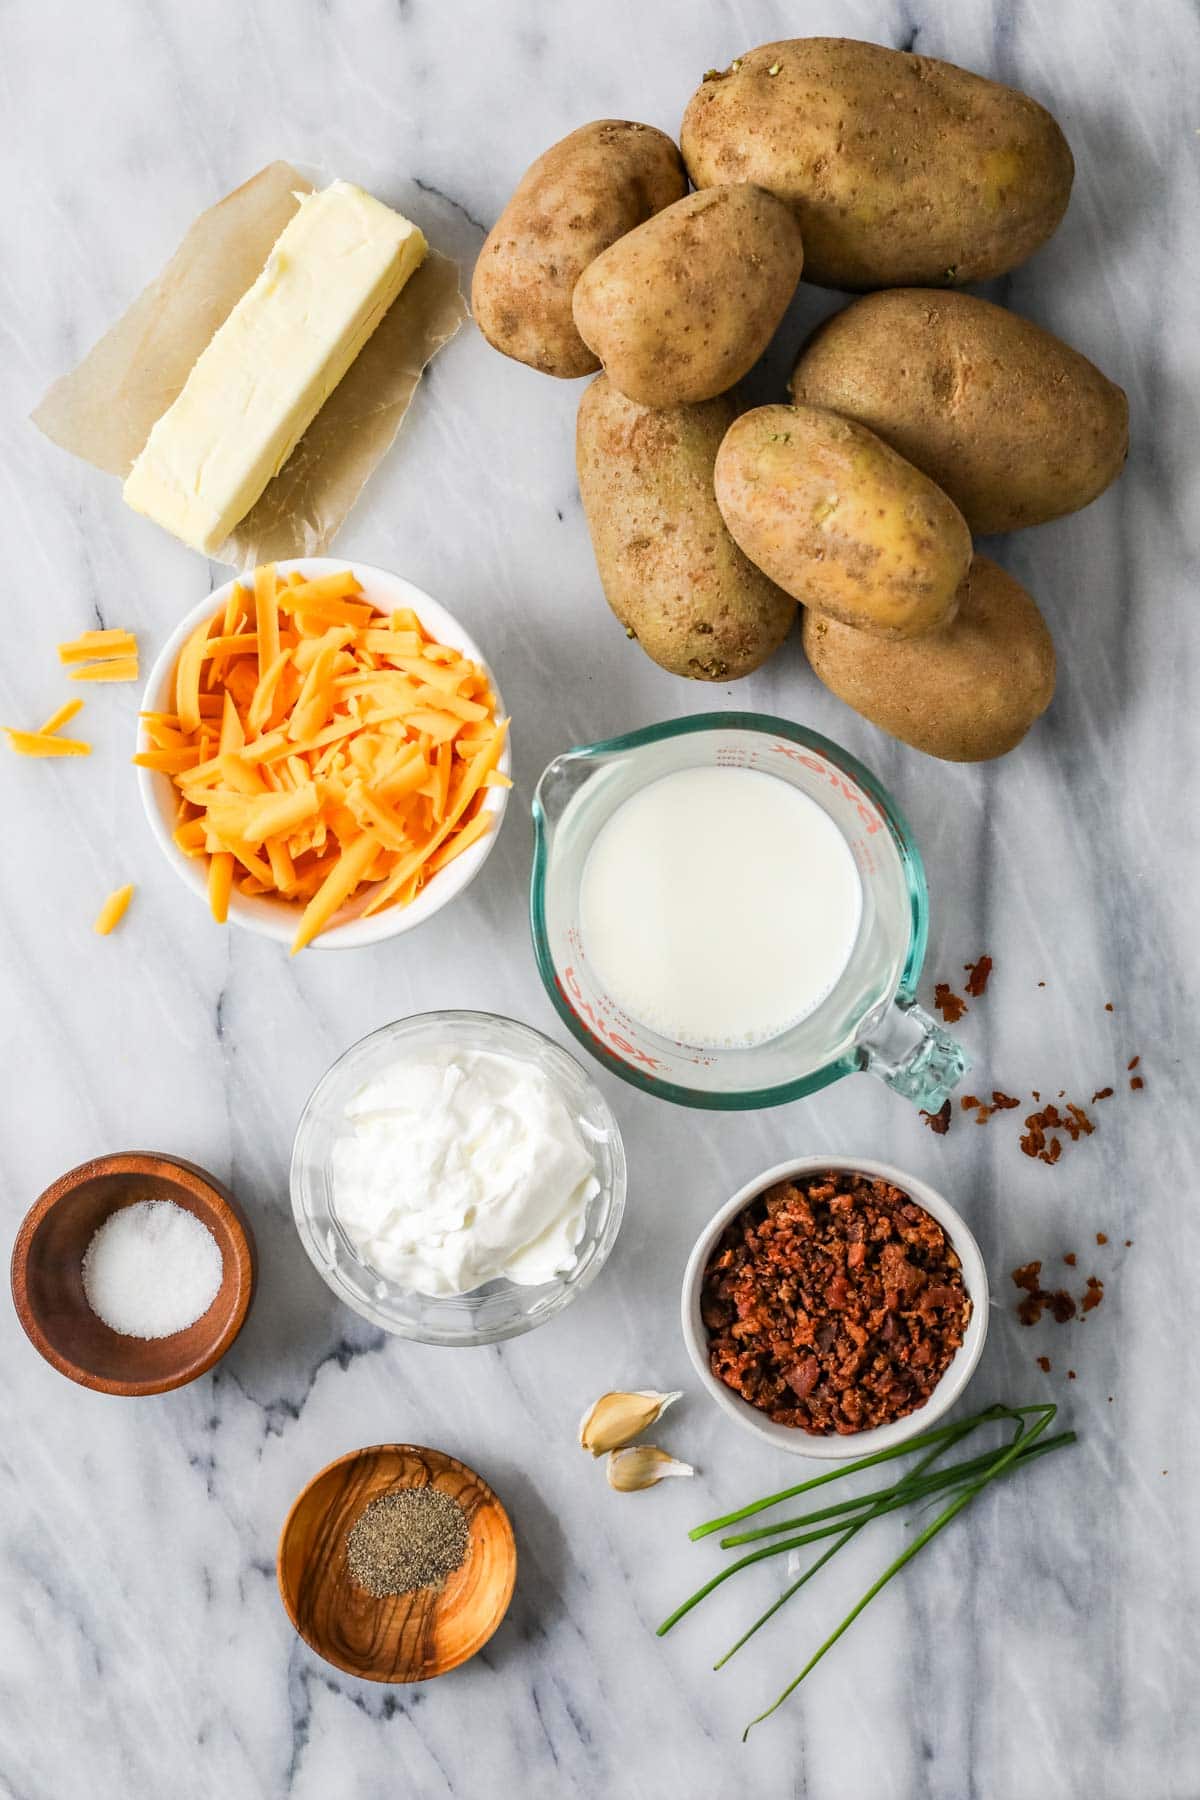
(1043, 1363)
(1095, 1293)
(1136, 1083)
(1038, 1299)
(1101, 1237)
(977, 974)
(939, 1121)
(1102, 1094)
(951, 1005)
(1070, 1258)
(833, 1304)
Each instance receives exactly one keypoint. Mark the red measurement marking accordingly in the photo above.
(842, 783)
(597, 1027)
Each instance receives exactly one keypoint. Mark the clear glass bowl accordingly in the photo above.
(500, 1309)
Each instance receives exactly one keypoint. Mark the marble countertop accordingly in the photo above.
(1047, 1643)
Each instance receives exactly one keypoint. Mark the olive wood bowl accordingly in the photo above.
(403, 1637)
(47, 1275)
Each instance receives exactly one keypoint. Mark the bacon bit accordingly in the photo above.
(1094, 1295)
(1043, 1363)
(1129, 1243)
(1078, 1125)
(981, 1109)
(1070, 1258)
(1102, 1094)
(1036, 1095)
(1101, 1237)
(951, 1005)
(1133, 1062)
(1070, 1374)
(977, 976)
(1137, 1082)
(1108, 1006)
(1041, 984)
(940, 1120)
(1061, 1306)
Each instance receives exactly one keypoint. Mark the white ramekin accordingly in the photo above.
(276, 918)
(880, 1437)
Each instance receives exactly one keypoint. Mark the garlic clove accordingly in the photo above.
(637, 1466)
(616, 1419)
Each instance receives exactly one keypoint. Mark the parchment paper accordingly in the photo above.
(104, 409)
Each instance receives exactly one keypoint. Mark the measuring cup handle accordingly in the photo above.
(913, 1054)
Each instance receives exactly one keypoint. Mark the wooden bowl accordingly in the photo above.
(405, 1637)
(47, 1275)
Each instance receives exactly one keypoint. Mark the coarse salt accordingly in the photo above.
(151, 1269)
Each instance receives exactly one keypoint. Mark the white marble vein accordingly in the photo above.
(1047, 1645)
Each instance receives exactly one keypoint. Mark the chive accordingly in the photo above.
(1022, 1439)
(952, 1433)
(826, 1556)
(947, 1477)
(851, 1468)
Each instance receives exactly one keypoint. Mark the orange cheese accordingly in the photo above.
(44, 743)
(113, 911)
(115, 668)
(324, 753)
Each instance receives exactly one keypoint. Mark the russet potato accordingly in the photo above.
(903, 171)
(670, 571)
(965, 693)
(1012, 423)
(681, 308)
(578, 198)
(840, 521)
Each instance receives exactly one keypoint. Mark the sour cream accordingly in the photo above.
(460, 1168)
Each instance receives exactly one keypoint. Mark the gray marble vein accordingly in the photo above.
(1047, 1645)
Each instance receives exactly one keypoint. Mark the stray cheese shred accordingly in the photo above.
(66, 712)
(324, 753)
(114, 668)
(113, 911)
(44, 743)
(101, 656)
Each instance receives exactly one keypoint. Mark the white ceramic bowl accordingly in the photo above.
(278, 918)
(880, 1437)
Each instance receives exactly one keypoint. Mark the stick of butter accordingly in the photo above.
(255, 389)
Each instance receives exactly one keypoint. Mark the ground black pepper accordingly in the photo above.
(408, 1538)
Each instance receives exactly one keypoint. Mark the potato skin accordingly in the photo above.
(670, 571)
(681, 308)
(904, 171)
(966, 693)
(573, 202)
(840, 521)
(1012, 423)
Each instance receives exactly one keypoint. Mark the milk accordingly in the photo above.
(719, 906)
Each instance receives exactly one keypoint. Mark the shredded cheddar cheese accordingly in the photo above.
(115, 668)
(66, 712)
(113, 911)
(101, 656)
(97, 646)
(324, 753)
(44, 743)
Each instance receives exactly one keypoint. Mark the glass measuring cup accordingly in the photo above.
(869, 1020)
